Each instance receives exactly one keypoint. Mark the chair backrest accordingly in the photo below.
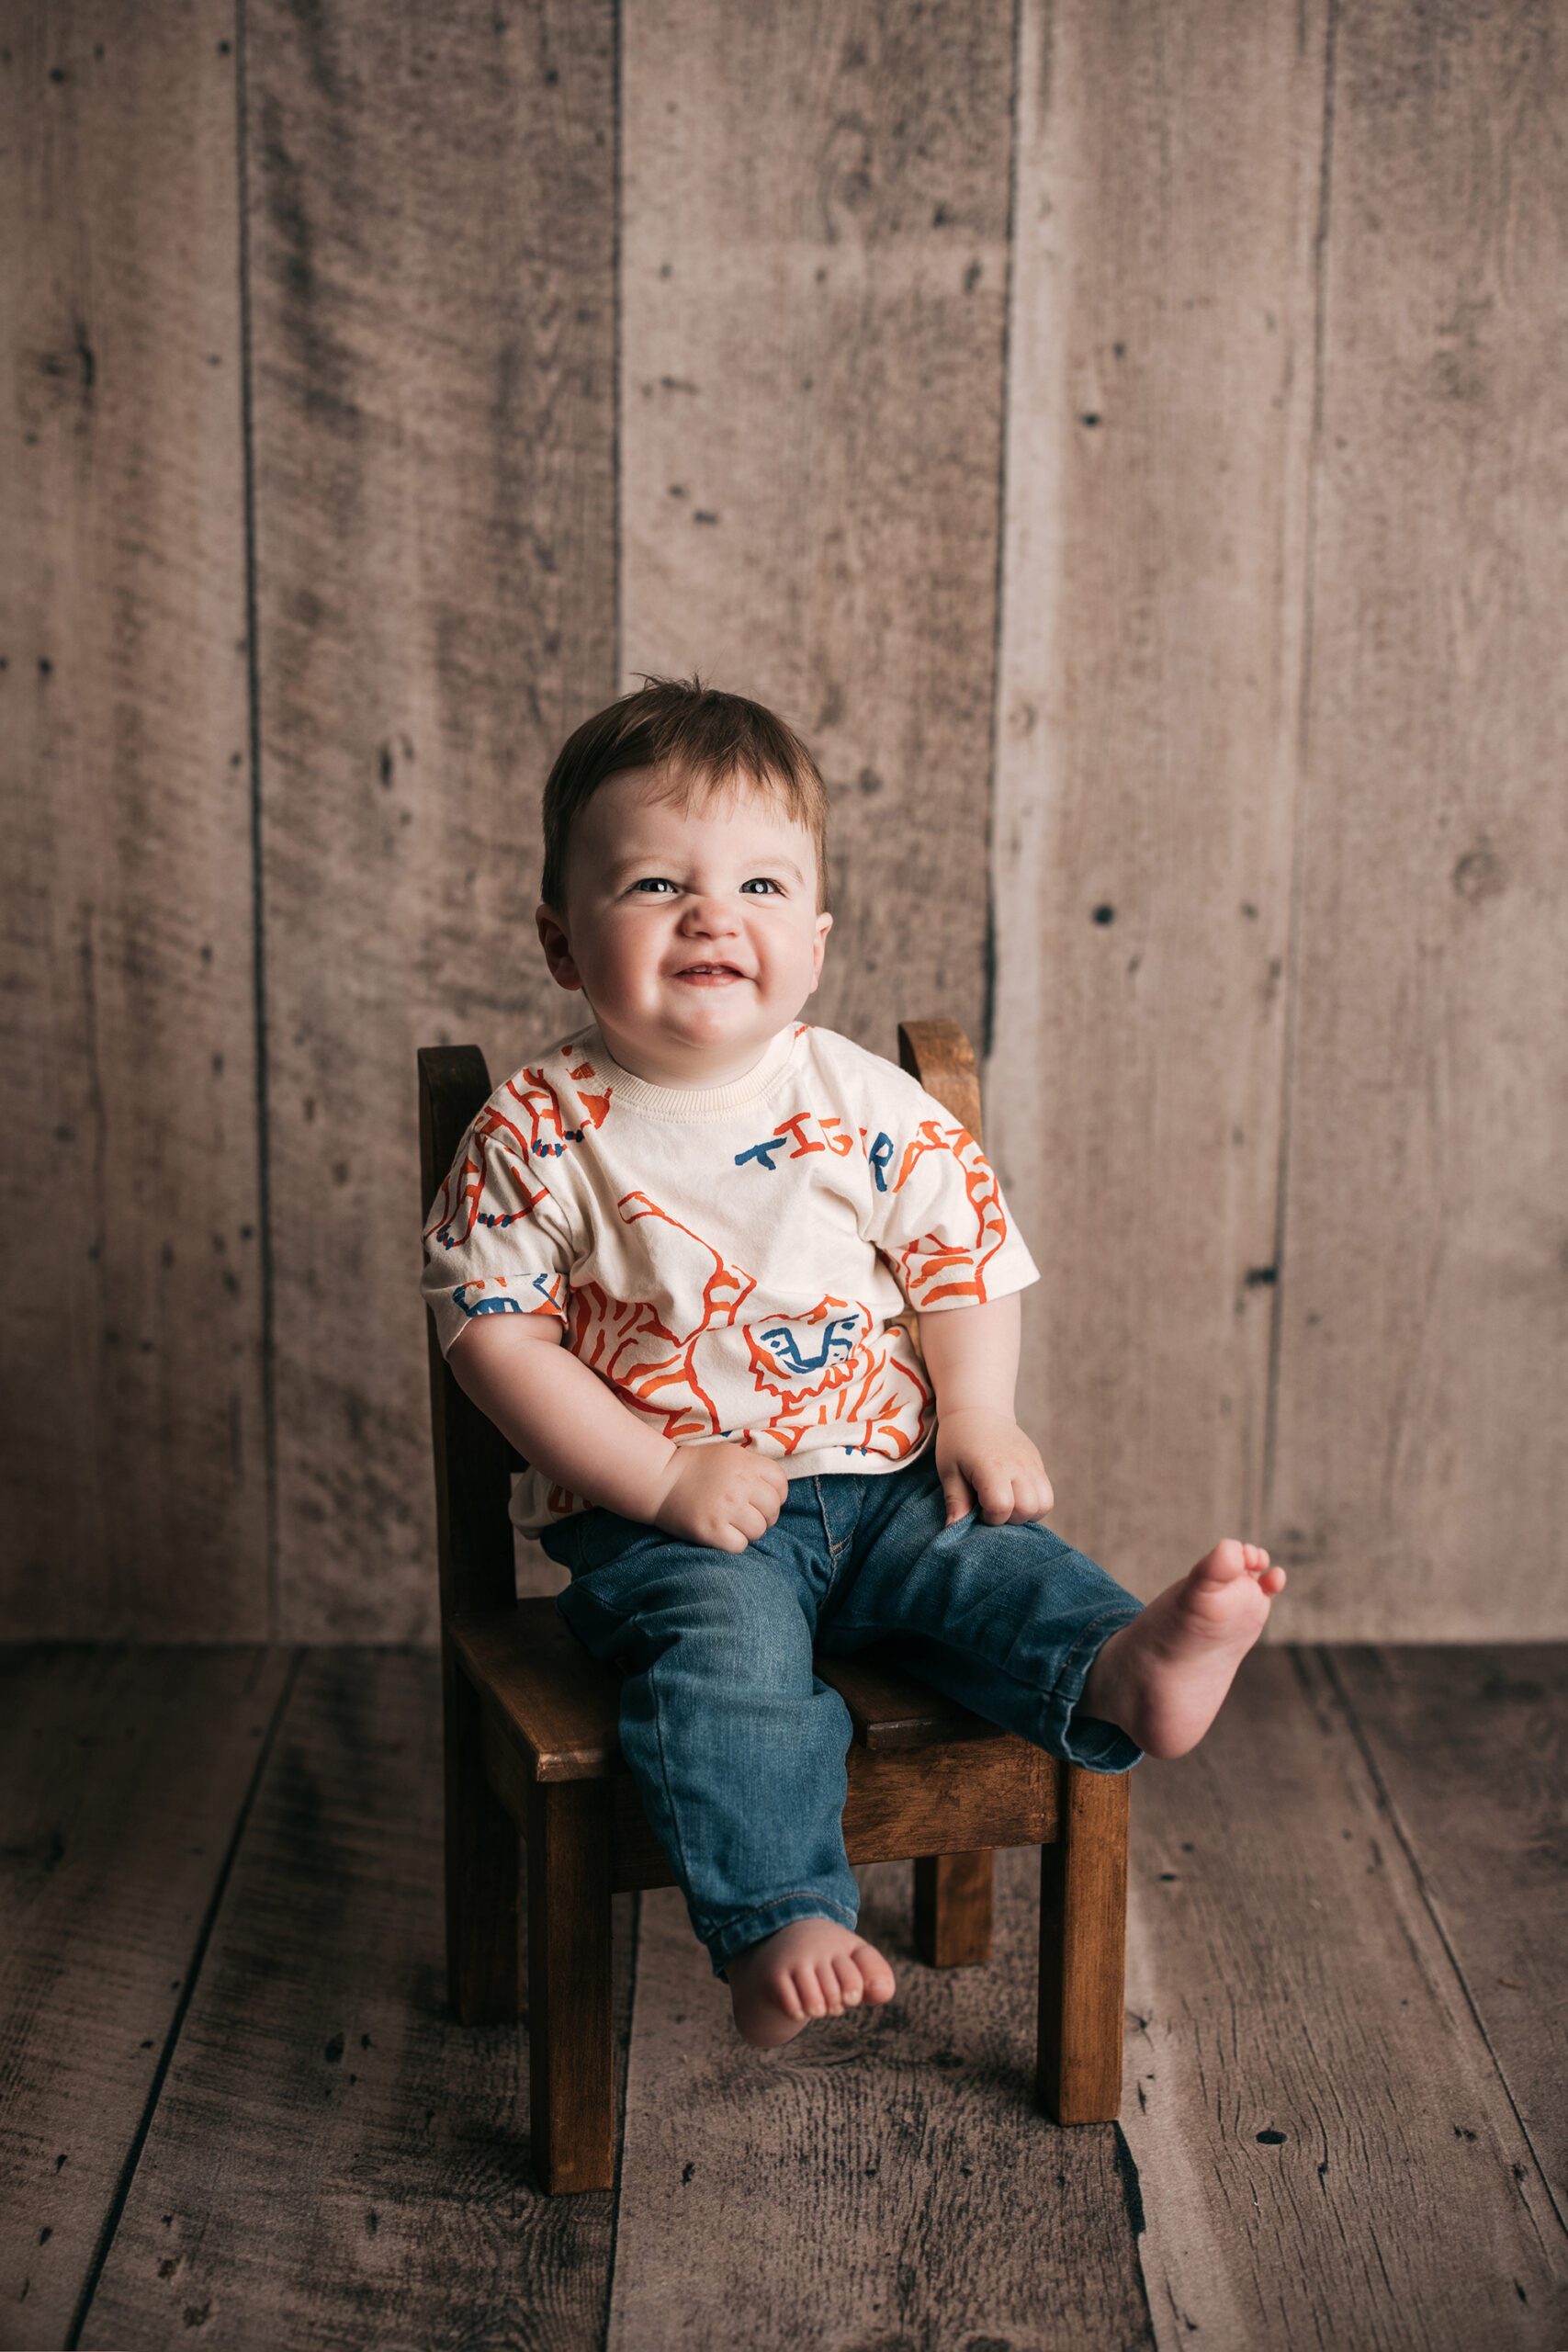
(473, 1460)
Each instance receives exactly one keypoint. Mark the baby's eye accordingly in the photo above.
(761, 882)
(654, 882)
(666, 878)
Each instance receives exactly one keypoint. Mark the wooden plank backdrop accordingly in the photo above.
(1422, 1406)
(133, 1486)
(432, 204)
(1157, 456)
(813, 287)
(1127, 443)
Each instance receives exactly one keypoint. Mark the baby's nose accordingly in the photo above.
(708, 915)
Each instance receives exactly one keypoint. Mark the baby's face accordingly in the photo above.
(695, 936)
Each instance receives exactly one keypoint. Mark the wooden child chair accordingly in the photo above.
(532, 1749)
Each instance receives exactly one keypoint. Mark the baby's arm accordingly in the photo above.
(984, 1459)
(569, 1423)
(972, 1354)
(560, 1415)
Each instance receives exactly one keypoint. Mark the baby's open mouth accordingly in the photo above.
(710, 972)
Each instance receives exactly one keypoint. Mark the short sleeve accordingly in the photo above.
(937, 1210)
(496, 1243)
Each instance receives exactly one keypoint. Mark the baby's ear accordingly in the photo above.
(556, 946)
(824, 925)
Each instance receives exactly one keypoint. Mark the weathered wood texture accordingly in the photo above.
(1331, 2151)
(124, 1777)
(1127, 443)
(1160, 374)
(1423, 1402)
(883, 2179)
(1344, 1931)
(132, 1460)
(812, 289)
(432, 224)
(1469, 1748)
(333, 2160)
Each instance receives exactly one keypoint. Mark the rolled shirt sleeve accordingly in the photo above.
(496, 1243)
(937, 1210)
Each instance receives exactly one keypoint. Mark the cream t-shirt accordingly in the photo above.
(737, 1261)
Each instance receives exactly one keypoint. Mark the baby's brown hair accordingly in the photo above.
(704, 740)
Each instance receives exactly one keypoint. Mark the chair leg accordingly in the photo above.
(953, 1908)
(484, 1944)
(1083, 1944)
(570, 2057)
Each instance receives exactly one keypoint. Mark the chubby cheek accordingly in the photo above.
(626, 964)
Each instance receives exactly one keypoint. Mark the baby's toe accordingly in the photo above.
(875, 1975)
(789, 2000)
(810, 1992)
(850, 1983)
(832, 1992)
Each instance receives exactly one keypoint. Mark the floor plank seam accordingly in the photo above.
(607, 2307)
(1406, 1845)
(177, 2026)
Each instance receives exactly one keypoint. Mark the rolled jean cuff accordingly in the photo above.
(750, 1926)
(1098, 1745)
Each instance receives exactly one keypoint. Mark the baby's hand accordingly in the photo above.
(984, 1459)
(724, 1495)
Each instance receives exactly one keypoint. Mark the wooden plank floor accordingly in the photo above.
(234, 2113)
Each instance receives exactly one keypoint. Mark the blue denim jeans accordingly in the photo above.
(736, 1745)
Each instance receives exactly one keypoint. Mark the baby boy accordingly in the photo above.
(746, 1298)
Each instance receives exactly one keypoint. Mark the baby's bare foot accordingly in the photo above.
(809, 1968)
(1161, 1678)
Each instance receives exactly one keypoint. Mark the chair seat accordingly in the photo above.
(561, 1708)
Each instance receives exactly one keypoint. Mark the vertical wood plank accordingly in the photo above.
(1160, 376)
(132, 1301)
(432, 231)
(813, 280)
(1423, 1399)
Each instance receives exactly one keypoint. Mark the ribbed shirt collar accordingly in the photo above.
(688, 1103)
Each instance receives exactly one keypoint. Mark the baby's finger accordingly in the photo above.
(995, 1493)
(1031, 1498)
(960, 1501)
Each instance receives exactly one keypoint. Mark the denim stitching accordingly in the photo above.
(788, 1894)
(664, 1773)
